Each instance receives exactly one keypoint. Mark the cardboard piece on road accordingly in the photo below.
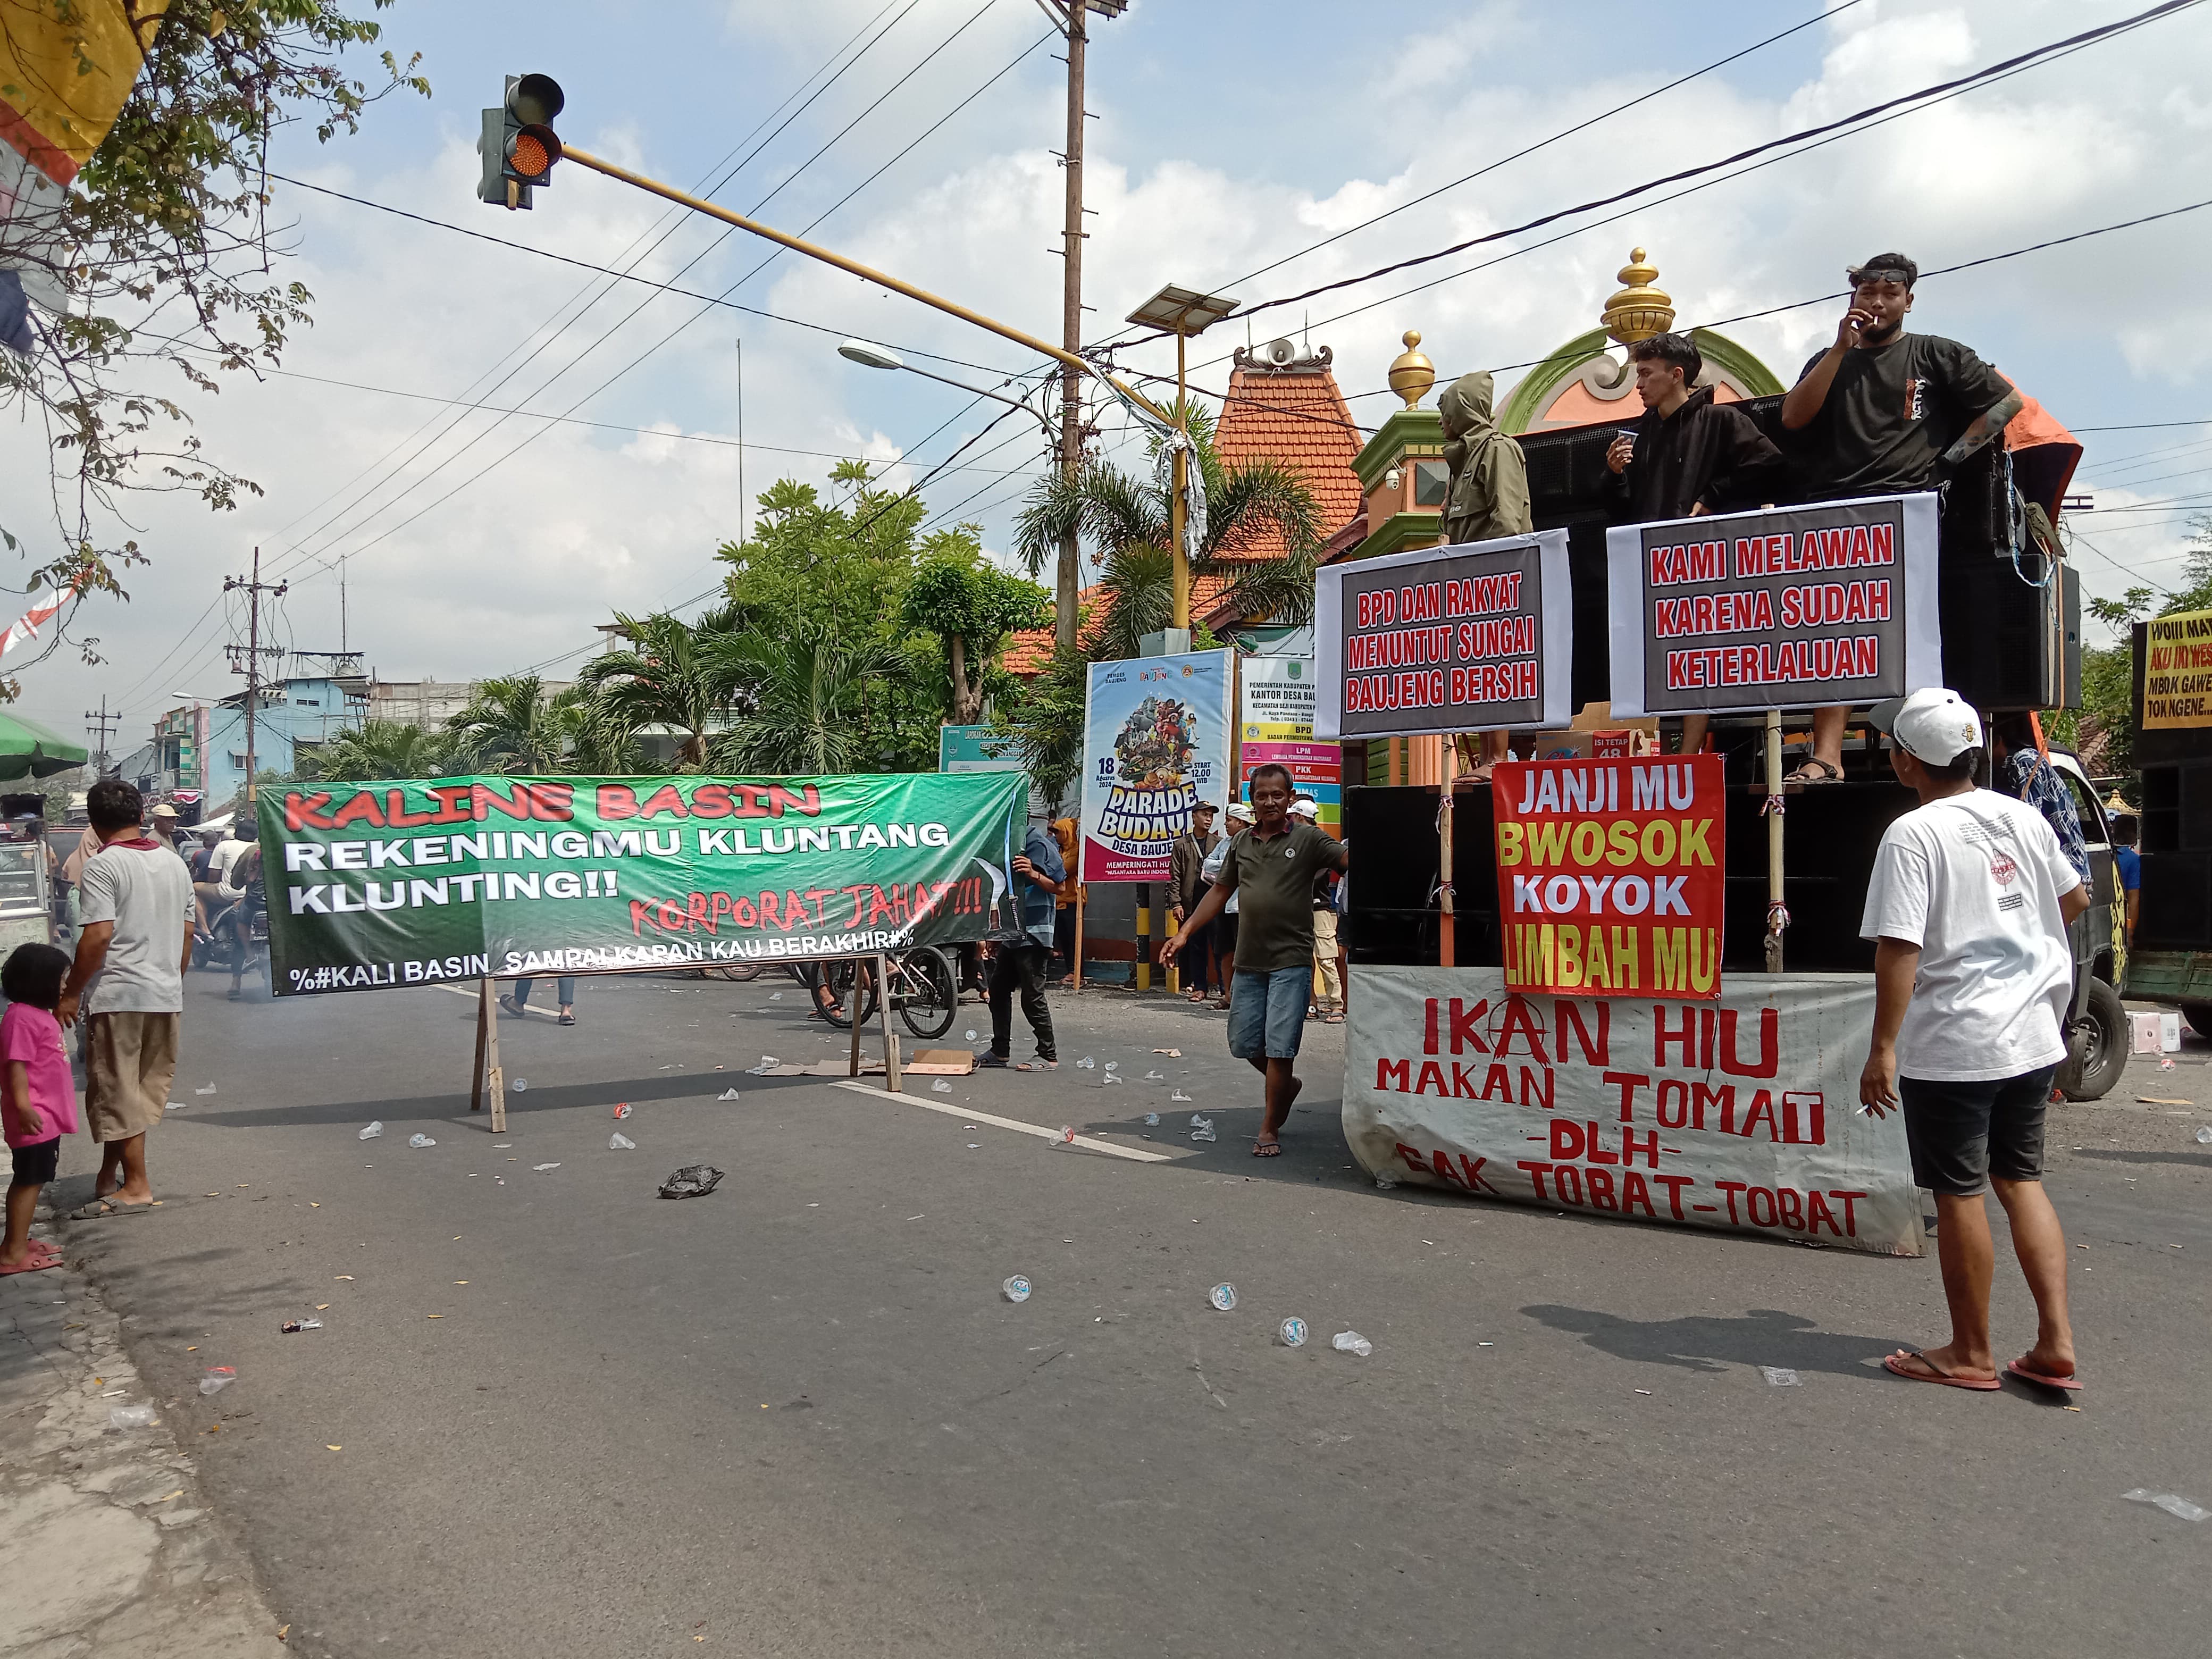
(942, 1062)
(829, 1068)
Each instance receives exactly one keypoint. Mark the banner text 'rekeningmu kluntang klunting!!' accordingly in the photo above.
(385, 884)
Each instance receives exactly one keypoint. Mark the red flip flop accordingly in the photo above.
(1894, 1366)
(2027, 1373)
(31, 1264)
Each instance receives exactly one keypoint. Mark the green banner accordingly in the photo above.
(379, 885)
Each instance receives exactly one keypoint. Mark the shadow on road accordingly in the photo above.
(2111, 1154)
(1765, 1336)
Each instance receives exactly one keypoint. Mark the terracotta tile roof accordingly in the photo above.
(1030, 649)
(1297, 417)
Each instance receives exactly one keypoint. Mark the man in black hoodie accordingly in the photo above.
(1688, 455)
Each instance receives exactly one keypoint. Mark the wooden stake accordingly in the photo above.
(495, 1078)
(1079, 935)
(860, 977)
(890, 1039)
(483, 1027)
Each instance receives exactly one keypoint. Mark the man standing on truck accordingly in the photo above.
(1688, 456)
(1969, 905)
(1881, 412)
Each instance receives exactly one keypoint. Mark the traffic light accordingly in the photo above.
(518, 143)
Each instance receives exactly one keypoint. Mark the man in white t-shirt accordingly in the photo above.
(1968, 907)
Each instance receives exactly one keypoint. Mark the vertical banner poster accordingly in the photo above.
(1610, 876)
(1742, 1117)
(982, 749)
(1477, 637)
(1156, 743)
(1275, 714)
(2177, 678)
(1810, 607)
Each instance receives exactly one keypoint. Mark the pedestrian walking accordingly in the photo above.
(127, 982)
(1021, 957)
(1064, 831)
(1969, 905)
(564, 986)
(1186, 886)
(1220, 935)
(1271, 869)
(38, 1100)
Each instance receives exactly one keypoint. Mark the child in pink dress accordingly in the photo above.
(38, 1099)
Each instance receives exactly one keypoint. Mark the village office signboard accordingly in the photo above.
(1476, 638)
(1740, 1116)
(381, 885)
(1809, 607)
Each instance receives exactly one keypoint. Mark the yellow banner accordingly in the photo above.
(2178, 672)
(66, 67)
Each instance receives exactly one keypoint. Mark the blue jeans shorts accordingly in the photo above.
(1268, 1012)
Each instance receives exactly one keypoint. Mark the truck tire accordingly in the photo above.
(2199, 1016)
(2098, 1053)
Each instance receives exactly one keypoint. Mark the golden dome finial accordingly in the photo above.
(1410, 373)
(1639, 310)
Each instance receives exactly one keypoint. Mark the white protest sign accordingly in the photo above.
(1741, 1115)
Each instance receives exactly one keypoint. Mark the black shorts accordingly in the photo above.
(35, 1164)
(1962, 1133)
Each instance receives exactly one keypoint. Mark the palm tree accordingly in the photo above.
(377, 749)
(510, 725)
(675, 674)
(804, 697)
(1126, 520)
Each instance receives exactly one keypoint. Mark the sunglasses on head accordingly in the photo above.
(1860, 278)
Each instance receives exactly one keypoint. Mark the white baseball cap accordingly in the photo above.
(1237, 809)
(1305, 809)
(1934, 725)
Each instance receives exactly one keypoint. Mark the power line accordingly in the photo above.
(1961, 83)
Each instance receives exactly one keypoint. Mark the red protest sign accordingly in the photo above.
(1609, 875)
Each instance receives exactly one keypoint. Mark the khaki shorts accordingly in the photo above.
(129, 1060)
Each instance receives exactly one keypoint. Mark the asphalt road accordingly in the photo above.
(796, 1417)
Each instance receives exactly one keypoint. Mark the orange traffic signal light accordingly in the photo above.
(518, 143)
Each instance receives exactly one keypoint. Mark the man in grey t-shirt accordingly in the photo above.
(135, 905)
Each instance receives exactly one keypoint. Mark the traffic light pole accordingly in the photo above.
(867, 273)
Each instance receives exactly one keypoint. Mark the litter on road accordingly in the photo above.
(692, 1180)
(1778, 1376)
(1224, 1298)
(419, 1141)
(292, 1325)
(217, 1378)
(541, 1168)
(622, 1109)
(2175, 1506)
(372, 1131)
(727, 1094)
(619, 1142)
(1016, 1289)
(1291, 1332)
(1352, 1342)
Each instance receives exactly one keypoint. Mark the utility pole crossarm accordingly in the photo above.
(867, 273)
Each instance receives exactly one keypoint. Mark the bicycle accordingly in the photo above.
(924, 989)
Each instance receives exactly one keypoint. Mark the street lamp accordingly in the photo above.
(871, 356)
(1182, 311)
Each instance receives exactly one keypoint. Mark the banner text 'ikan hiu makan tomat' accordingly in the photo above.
(1742, 1117)
(381, 884)
(1610, 875)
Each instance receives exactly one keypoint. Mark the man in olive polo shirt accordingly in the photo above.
(1271, 867)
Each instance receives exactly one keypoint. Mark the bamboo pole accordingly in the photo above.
(1777, 914)
(495, 1075)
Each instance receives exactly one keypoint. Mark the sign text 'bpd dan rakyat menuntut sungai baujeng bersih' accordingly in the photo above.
(399, 883)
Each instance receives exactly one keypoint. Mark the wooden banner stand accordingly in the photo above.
(488, 1073)
(881, 970)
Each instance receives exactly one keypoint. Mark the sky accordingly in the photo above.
(919, 136)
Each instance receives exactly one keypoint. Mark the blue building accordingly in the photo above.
(202, 746)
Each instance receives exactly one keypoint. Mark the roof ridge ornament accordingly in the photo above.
(1410, 373)
(1640, 310)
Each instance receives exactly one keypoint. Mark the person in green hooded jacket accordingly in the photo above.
(1488, 499)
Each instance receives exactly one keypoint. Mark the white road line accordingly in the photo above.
(542, 1014)
(1135, 1154)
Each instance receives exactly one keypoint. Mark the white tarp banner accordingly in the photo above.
(1741, 1115)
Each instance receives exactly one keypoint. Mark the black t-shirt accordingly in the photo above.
(1890, 414)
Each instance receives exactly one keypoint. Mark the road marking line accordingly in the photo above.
(542, 1014)
(968, 1114)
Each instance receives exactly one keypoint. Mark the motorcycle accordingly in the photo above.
(238, 939)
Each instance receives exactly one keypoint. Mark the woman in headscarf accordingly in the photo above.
(1488, 499)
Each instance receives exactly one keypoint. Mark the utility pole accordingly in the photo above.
(1070, 14)
(253, 587)
(103, 723)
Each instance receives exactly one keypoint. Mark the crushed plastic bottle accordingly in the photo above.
(1779, 1376)
(1086, 1064)
(1151, 1120)
(727, 1094)
(1155, 1076)
(1066, 1134)
(972, 1036)
(371, 1133)
(291, 1326)
(768, 1063)
(1291, 1332)
(1352, 1342)
(623, 1111)
(1223, 1298)
(940, 1087)
(2204, 1137)
(1386, 1183)
(541, 1169)
(1197, 1118)
(2174, 1504)
(129, 1417)
(775, 996)
(1205, 1131)
(1112, 1065)
(1111, 1080)
(619, 1142)
(1016, 1289)
(419, 1141)
(1179, 1095)
(520, 1086)
(217, 1378)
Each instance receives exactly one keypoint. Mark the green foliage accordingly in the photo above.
(377, 749)
(972, 605)
(171, 267)
(676, 676)
(510, 725)
(805, 697)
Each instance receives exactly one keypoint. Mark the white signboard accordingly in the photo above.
(1741, 1115)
